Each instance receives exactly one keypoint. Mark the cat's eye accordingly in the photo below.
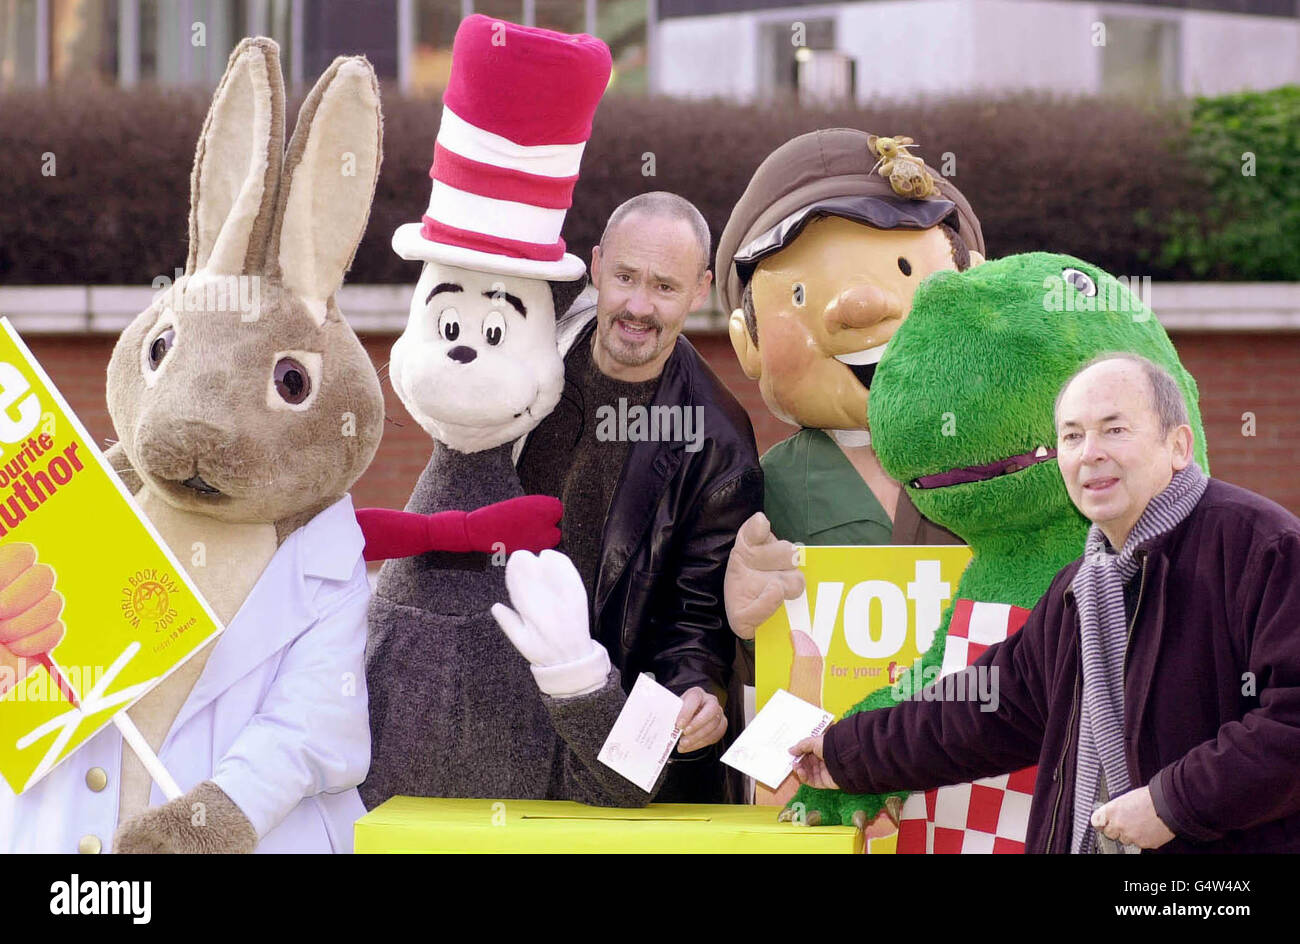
(797, 294)
(449, 324)
(494, 328)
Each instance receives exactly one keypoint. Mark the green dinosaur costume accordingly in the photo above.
(970, 380)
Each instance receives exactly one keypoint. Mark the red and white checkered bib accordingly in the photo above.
(989, 815)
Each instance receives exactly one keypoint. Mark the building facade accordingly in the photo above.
(753, 50)
(187, 42)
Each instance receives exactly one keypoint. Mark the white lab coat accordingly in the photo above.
(277, 719)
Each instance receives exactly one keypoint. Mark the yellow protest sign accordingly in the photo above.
(81, 571)
(866, 615)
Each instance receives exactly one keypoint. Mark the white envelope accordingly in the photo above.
(763, 749)
(644, 735)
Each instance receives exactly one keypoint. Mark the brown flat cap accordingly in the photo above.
(826, 172)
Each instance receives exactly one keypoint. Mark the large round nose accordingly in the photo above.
(861, 306)
(462, 354)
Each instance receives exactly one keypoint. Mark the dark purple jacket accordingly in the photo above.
(1211, 693)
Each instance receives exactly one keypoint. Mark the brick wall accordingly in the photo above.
(1237, 374)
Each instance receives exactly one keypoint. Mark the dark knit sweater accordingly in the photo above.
(571, 456)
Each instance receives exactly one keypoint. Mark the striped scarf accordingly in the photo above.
(1098, 588)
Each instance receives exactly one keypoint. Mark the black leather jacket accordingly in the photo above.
(672, 521)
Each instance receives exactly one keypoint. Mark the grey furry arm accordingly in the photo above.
(584, 722)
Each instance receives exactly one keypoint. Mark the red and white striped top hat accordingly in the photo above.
(515, 119)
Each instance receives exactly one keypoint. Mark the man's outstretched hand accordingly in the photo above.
(810, 767)
(760, 574)
(701, 720)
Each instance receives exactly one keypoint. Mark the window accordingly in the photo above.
(567, 16)
(1140, 57)
(824, 77)
(802, 61)
(622, 25)
(435, 28)
(188, 42)
(18, 47)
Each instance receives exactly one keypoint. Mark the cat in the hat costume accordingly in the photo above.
(455, 708)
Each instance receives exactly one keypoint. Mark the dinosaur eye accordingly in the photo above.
(160, 346)
(797, 294)
(904, 266)
(1082, 281)
(494, 328)
(292, 381)
(449, 324)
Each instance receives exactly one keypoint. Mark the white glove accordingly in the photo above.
(550, 627)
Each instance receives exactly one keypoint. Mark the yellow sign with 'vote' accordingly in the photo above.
(866, 615)
(94, 609)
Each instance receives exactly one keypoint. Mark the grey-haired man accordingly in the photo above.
(1160, 673)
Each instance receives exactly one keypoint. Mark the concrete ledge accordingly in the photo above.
(382, 309)
(1227, 306)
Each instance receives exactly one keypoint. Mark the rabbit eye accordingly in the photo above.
(449, 324)
(1082, 281)
(292, 381)
(797, 294)
(494, 328)
(904, 266)
(160, 346)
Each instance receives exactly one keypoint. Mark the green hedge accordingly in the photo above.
(1120, 184)
(1245, 150)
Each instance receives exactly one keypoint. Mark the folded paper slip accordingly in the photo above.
(424, 824)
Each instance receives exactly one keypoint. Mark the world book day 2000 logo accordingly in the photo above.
(146, 599)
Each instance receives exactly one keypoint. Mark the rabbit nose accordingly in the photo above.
(462, 354)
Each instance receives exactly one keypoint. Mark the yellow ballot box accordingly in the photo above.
(424, 824)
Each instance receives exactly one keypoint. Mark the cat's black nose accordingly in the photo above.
(462, 354)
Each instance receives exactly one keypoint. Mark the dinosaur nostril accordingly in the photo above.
(462, 354)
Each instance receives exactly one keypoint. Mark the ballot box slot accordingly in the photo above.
(620, 819)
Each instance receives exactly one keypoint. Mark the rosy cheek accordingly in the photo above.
(786, 347)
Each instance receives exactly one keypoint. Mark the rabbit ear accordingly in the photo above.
(237, 165)
(329, 181)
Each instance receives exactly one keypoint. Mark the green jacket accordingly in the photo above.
(813, 495)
